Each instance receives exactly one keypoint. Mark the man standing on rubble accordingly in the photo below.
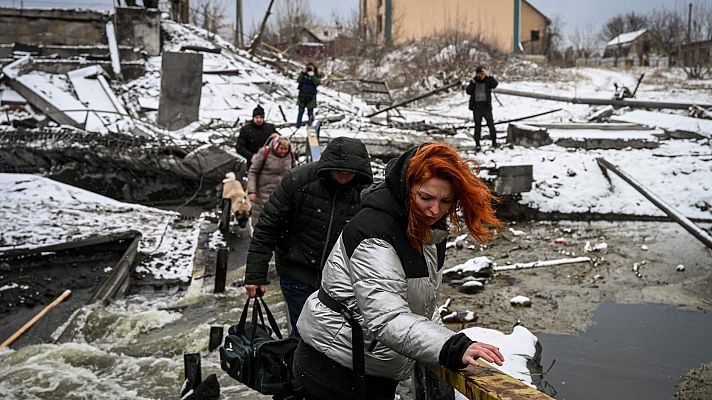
(254, 135)
(302, 220)
(480, 91)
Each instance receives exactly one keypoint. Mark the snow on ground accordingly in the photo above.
(234, 82)
(36, 211)
(516, 348)
(679, 171)
(669, 122)
(566, 180)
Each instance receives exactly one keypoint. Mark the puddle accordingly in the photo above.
(632, 351)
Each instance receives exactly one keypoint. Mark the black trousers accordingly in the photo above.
(322, 378)
(478, 114)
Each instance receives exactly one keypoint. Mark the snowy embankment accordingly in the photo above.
(37, 211)
(568, 180)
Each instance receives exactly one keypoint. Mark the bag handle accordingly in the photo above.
(255, 312)
(270, 318)
(243, 316)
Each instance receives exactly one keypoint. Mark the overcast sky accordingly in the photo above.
(586, 14)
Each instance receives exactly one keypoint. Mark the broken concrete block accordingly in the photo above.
(181, 85)
(514, 179)
(139, 27)
(601, 115)
(210, 161)
(54, 101)
(527, 136)
(94, 91)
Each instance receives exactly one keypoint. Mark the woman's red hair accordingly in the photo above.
(472, 196)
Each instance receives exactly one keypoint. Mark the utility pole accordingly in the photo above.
(689, 24)
(238, 24)
(184, 11)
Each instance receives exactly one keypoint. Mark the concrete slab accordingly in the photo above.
(513, 179)
(527, 135)
(181, 86)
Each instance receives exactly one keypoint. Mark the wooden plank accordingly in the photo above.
(313, 142)
(484, 382)
(36, 318)
(117, 282)
(74, 244)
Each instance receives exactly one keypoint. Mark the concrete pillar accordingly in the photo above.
(139, 27)
(181, 85)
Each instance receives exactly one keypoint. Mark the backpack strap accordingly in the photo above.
(262, 166)
(359, 357)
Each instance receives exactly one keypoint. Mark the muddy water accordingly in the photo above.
(132, 349)
(632, 351)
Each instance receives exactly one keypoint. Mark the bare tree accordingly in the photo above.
(584, 42)
(292, 16)
(623, 23)
(209, 15)
(553, 38)
(668, 26)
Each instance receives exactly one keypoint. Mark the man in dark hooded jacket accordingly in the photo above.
(302, 220)
(480, 91)
(253, 135)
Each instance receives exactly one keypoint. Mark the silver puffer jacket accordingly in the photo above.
(392, 309)
(390, 287)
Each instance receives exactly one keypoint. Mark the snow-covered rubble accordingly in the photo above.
(36, 211)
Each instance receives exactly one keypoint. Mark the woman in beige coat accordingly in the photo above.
(269, 165)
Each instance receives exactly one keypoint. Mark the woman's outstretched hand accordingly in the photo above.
(484, 351)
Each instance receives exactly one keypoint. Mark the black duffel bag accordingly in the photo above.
(254, 357)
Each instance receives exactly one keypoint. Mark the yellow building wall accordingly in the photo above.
(415, 19)
(532, 21)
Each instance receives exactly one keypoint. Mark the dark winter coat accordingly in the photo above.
(264, 175)
(490, 83)
(305, 214)
(307, 89)
(252, 138)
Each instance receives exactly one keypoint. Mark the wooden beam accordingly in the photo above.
(117, 282)
(484, 382)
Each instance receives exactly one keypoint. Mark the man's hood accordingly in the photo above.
(391, 195)
(347, 154)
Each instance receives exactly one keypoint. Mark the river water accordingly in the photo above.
(632, 351)
(132, 349)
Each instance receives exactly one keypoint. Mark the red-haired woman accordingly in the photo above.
(380, 284)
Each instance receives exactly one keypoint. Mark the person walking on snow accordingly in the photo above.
(308, 80)
(385, 274)
(269, 166)
(480, 91)
(302, 220)
(253, 135)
